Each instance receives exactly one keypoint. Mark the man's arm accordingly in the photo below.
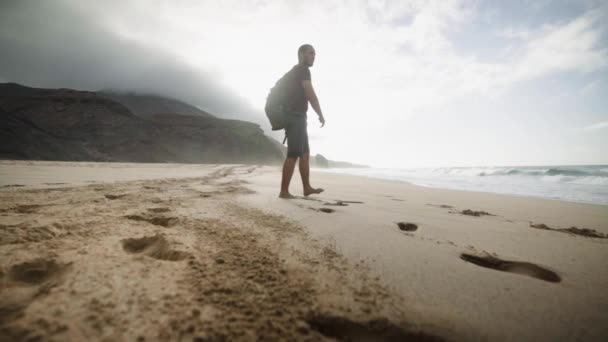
(312, 98)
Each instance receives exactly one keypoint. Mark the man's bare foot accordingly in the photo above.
(313, 191)
(286, 195)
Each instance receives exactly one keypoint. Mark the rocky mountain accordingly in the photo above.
(321, 162)
(65, 124)
(146, 106)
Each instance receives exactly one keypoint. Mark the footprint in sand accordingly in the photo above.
(323, 210)
(26, 208)
(153, 246)
(36, 271)
(343, 329)
(339, 203)
(13, 186)
(475, 213)
(587, 232)
(407, 227)
(444, 206)
(113, 197)
(155, 220)
(517, 267)
(159, 210)
(28, 280)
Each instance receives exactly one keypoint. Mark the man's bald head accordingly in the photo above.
(306, 55)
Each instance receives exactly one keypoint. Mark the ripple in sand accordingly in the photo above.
(26, 232)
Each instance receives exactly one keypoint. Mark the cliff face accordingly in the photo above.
(65, 124)
(146, 106)
(191, 138)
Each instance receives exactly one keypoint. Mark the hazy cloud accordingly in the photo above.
(58, 44)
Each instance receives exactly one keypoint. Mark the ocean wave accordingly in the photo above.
(582, 183)
(566, 172)
(556, 171)
(589, 180)
(460, 171)
(509, 172)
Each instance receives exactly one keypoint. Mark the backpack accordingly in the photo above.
(275, 107)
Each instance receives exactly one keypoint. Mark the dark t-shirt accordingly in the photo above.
(296, 97)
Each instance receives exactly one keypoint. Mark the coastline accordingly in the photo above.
(472, 182)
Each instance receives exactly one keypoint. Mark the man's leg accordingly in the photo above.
(305, 173)
(304, 166)
(288, 167)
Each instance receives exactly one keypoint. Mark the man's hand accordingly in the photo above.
(322, 120)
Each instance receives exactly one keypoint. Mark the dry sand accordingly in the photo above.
(209, 253)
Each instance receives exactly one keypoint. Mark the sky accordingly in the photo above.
(401, 83)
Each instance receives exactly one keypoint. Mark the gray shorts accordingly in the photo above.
(297, 135)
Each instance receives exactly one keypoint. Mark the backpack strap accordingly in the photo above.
(285, 138)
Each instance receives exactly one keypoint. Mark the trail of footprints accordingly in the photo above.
(494, 262)
(26, 281)
(486, 261)
(158, 247)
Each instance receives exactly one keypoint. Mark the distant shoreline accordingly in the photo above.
(568, 183)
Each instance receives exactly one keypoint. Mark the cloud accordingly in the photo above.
(515, 33)
(574, 46)
(594, 127)
(58, 44)
(217, 54)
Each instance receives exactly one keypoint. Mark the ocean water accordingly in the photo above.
(580, 183)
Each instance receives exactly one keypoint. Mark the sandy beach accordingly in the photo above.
(146, 252)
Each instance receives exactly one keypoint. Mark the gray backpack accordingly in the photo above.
(276, 107)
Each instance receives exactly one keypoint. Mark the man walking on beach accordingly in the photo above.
(300, 92)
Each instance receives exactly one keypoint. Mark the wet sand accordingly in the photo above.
(101, 251)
